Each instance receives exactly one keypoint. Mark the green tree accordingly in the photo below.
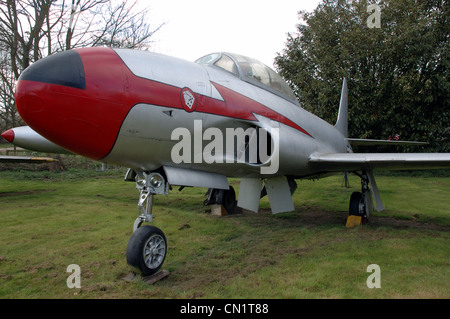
(397, 74)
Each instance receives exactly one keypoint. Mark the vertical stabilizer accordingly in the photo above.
(342, 121)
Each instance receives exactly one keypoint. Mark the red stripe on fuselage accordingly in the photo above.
(243, 107)
(235, 105)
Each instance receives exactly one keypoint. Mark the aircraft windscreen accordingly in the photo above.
(250, 69)
(260, 72)
(226, 63)
(208, 59)
(220, 60)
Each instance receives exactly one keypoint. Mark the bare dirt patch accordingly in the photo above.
(313, 216)
(24, 193)
(388, 221)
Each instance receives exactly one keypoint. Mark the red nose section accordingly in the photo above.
(8, 135)
(75, 99)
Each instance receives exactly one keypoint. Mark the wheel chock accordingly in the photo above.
(353, 221)
(150, 280)
(218, 210)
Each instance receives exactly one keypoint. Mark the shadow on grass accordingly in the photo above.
(309, 217)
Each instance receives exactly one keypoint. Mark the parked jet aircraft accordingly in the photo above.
(174, 122)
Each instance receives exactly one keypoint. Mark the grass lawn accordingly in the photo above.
(49, 221)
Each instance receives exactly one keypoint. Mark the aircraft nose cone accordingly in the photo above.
(75, 99)
(64, 69)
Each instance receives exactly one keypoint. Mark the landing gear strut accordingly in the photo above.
(147, 247)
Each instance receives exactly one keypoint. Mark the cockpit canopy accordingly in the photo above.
(250, 70)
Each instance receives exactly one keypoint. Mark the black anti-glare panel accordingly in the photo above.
(65, 68)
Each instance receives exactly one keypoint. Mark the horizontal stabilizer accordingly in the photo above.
(370, 142)
(341, 162)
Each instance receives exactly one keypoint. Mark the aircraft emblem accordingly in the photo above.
(188, 100)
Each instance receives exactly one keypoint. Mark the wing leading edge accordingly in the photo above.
(371, 142)
(338, 162)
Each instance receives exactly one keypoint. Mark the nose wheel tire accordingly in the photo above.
(147, 249)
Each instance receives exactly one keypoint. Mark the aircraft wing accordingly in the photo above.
(25, 159)
(371, 142)
(338, 162)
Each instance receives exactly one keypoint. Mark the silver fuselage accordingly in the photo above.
(144, 140)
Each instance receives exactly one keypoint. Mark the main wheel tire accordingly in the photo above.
(147, 249)
(355, 207)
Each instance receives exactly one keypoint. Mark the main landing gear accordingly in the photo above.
(361, 203)
(147, 247)
(227, 198)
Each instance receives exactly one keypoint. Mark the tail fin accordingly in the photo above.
(342, 121)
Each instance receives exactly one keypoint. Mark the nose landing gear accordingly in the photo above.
(147, 247)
